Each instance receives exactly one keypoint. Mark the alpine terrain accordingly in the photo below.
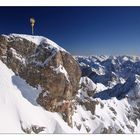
(44, 89)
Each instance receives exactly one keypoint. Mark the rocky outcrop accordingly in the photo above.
(86, 92)
(87, 86)
(43, 63)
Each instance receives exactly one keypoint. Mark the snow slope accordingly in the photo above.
(19, 110)
(111, 116)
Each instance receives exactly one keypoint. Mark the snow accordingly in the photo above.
(100, 87)
(19, 109)
(105, 116)
(61, 69)
(17, 56)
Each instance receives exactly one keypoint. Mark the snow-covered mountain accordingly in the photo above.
(42, 89)
(117, 94)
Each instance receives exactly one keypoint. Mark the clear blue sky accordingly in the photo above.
(80, 30)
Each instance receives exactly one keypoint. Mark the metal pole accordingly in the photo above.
(32, 30)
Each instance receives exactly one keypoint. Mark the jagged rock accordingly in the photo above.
(113, 110)
(78, 126)
(88, 103)
(87, 86)
(32, 129)
(106, 130)
(87, 128)
(43, 63)
(86, 91)
(36, 129)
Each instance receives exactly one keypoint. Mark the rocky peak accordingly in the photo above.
(41, 62)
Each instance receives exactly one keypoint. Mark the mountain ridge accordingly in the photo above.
(45, 90)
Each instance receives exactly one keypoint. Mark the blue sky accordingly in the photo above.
(80, 30)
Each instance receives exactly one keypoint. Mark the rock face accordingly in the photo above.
(43, 63)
